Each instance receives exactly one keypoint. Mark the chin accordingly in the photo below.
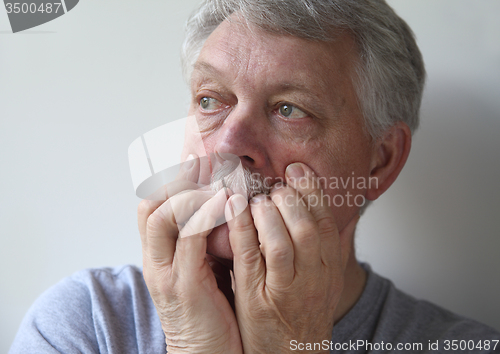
(218, 243)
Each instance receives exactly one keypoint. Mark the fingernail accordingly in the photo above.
(189, 163)
(239, 203)
(258, 198)
(295, 170)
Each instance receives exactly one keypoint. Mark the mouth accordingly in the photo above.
(218, 244)
(227, 263)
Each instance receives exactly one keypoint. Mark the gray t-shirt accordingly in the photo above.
(109, 310)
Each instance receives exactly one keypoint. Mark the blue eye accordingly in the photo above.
(289, 111)
(209, 104)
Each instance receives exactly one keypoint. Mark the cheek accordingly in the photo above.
(346, 176)
(297, 143)
(200, 133)
(209, 143)
(349, 148)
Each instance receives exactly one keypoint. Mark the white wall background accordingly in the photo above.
(76, 91)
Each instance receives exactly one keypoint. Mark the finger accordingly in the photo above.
(190, 169)
(205, 217)
(248, 264)
(147, 207)
(275, 242)
(304, 180)
(162, 225)
(191, 246)
(301, 226)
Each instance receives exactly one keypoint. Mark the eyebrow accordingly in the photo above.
(205, 67)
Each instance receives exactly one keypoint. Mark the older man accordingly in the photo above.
(319, 99)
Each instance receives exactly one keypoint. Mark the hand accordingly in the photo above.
(195, 315)
(289, 263)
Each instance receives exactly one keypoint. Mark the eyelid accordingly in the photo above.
(219, 103)
(280, 104)
(210, 94)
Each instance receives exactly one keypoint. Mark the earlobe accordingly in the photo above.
(388, 159)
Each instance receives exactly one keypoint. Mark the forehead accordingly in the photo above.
(256, 56)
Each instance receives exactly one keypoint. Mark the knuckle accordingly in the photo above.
(248, 256)
(311, 193)
(327, 222)
(155, 222)
(243, 225)
(145, 208)
(280, 252)
(306, 231)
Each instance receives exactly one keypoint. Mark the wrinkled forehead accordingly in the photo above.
(245, 49)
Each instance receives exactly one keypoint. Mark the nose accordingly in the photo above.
(244, 133)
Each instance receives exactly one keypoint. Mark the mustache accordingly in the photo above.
(240, 179)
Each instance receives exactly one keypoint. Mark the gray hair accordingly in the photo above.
(390, 76)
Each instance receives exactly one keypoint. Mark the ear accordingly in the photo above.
(388, 159)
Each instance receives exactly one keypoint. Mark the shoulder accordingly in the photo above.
(409, 320)
(389, 320)
(122, 283)
(95, 291)
(91, 309)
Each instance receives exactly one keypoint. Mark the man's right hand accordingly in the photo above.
(195, 315)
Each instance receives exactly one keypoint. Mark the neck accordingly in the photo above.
(354, 284)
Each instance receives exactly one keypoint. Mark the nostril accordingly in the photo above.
(248, 159)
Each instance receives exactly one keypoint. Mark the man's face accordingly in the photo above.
(274, 100)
